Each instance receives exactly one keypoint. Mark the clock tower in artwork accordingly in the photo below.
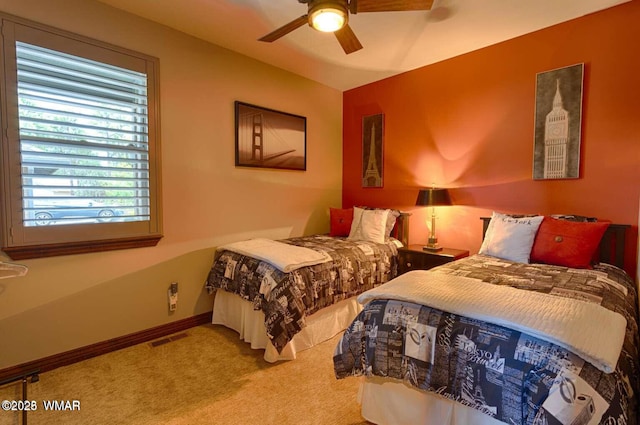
(556, 139)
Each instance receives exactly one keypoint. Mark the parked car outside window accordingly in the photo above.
(46, 214)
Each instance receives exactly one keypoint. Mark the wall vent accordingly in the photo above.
(159, 342)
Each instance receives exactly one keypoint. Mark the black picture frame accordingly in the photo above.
(372, 150)
(558, 123)
(267, 138)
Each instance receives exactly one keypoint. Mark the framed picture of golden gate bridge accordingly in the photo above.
(267, 138)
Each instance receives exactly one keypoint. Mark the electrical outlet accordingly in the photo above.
(173, 296)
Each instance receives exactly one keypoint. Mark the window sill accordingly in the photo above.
(82, 247)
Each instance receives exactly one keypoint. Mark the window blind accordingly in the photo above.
(83, 139)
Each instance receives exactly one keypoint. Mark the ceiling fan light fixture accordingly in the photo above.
(328, 17)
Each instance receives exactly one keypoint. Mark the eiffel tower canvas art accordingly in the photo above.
(372, 141)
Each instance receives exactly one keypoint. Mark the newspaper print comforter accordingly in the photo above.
(509, 375)
(287, 298)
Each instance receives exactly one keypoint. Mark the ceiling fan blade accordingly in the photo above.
(285, 29)
(348, 40)
(391, 5)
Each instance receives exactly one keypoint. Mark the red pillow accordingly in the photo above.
(567, 243)
(340, 221)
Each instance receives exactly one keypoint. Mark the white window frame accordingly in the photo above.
(22, 242)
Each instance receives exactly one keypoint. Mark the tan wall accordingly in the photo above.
(68, 302)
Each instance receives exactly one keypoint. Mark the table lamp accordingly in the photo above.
(432, 198)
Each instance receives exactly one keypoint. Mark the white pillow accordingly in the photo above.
(510, 238)
(368, 225)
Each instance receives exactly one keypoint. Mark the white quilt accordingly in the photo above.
(587, 329)
(281, 255)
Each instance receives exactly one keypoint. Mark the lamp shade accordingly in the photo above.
(433, 197)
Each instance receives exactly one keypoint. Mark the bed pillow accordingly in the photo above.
(391, 218)
(567, 243)
(369, 225)
(341, 220)
(510, 238)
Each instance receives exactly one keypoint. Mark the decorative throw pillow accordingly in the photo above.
(391, 221)
(510, 238)
(573, 217)
(567, 243)
(369, 225)
(341, 220)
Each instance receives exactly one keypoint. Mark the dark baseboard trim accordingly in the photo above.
(104, 347)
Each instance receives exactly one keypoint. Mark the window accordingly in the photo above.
(80, 148)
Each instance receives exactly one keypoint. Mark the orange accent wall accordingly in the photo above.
(467, 123)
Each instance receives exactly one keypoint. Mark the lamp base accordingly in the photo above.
(432, 244)
(432, 247)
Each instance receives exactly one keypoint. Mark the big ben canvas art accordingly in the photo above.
(558, 122)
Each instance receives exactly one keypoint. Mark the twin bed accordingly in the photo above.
(487, 340)
(490, 339)
(288, 303)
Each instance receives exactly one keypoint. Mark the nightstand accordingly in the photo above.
(414, 257)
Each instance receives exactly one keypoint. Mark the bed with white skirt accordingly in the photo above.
(550, 344)
(290, 302)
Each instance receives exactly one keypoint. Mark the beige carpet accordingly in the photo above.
(209, 377)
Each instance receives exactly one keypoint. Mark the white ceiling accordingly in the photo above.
(394, 42)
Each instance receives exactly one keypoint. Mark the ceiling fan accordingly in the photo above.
(333, 16)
